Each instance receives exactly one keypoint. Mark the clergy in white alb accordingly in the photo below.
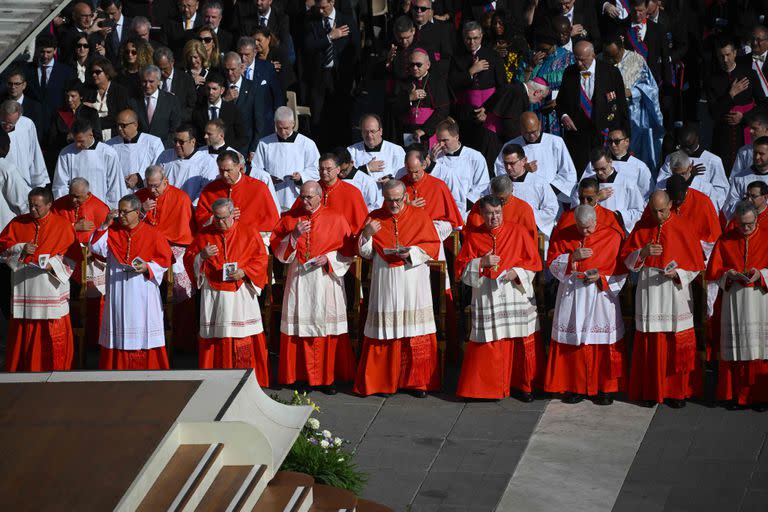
(135, 150)
(547, 156)
(90, 159)
(709, 173)
(463, 169)
(758, 171)
(25, 150)
(189, 168)
(132, 333)
(13, 188)
(625, 162)
(739, 264)
(758, 127)
(587, 355)
(288, 156)
(399, 343)
(354, 176)
(617, 190)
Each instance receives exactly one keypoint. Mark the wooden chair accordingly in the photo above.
(353, 294)
(298, 110)
(437, 273)
(168, 309)
(82, 308)
(266, 299)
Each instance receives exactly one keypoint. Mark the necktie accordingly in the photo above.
(328, 53)
(759, 58)
(43, 76)
(585, 75)
(248, 73)
(263, 21)
(150, 109)
(165, 85)
(214, 113)
(187, 24)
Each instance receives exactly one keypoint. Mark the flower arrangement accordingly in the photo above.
(321, 454)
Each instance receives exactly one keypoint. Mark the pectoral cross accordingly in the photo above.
(308, 251)
(397, 233)
(746, 254)
(128, 250)
(37, 232)
(224, 246)
(493, 250)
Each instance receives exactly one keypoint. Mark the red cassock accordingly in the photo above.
(318, 360)
(145, 242)
(345, 199)
(241, 244)
(440, 203)
(588, 368)
(490, 368)
(251, 196)
(664, 364)
(762, 218)
(45, 344)
(743, 381)
(699, 214)
(386, 365)
(172, 216)
(605, 217)
(514, 210)
(95, 211)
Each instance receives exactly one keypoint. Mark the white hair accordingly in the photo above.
(679, 160)
(535, 86)
(284, 114)
(585, 215)
(154, 170)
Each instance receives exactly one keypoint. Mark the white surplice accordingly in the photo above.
(661, 304)
(99, 165)
(466, 175)
(633, 166)
(314, 301)
(501, 309)
(540, 197)
(584, 313)
(227, 314)
(189, 174)
(25, 152)
(744, 322)
(368, 187)
(626, 198)
(13, 192)
(133, 310)
(401, 297)
(743, 162)
(553, 161)
(39, 294)
(135, 157)
(712, 182)
(282, 159)
(738, 189)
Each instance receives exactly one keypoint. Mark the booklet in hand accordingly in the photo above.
(672, 265)
(42, 260)
(137, 262)
(743, 277)
(591, 273)
(397, 250)
(227, 270)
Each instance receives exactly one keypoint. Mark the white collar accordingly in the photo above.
(217, 104)
(154, 95)
(238, 83)
(332, 16)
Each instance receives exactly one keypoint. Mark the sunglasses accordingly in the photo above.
(419, 8)
(415, 64)
(131, 52)
(81, 45)
(206, 40)
(616, 141)
(96, 71)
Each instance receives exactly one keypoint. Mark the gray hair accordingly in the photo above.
(501, 185)
(233, 56)
(585, 215)
(393, 184)
(154, 170)
(223, 202)
(161, 52)
(212, 5)
(11, 107)
(679, 160)
(284, 114)
(79, 181)
(743, 208)
(151, 68)
(132, 200)
(535, 86)
(140, 21)
(246, 41)
(471, 26)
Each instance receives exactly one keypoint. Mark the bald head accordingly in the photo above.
(530, 127)
(660, 206)
(311, 188)
(127, 124)
(584, 53)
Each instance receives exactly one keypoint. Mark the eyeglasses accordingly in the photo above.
(125, 125)
(81, 45)
(125, 213)
(419, 8)
(15, 84)
(513, 163)
(394, 199)
(221, 219)
(131, 52)
(759, 39)
(415, 64)
(206, 40)
(617, 141)
(752, 196)
(181, 142)
(97, 71)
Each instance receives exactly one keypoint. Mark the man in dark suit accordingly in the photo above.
(180, 29)
(118, 28)
(757, 59)
(46, 78)
(646, 39)
(237, 134)
(436, 37)
(333, 45)
(673, 24)
(260, 13)
(248, 99)
(176, 82)
(591, 102)
(16, 85)
(212, 14)
(158, 111)
(581, 13)
(158, 13)
(82, 22)
(262, 74)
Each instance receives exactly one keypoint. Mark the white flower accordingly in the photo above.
(341, 459)
(337, 441)
(313, 423)
(327, 434)
(324, 444)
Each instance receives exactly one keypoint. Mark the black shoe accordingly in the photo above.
(675, 403)
(572, 398)
(524, 397)
(646, 403)
(420, 393)
(383, 395)
(760, 407)
(603, 399)
(329, 390)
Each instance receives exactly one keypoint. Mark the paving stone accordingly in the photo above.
(479, 455)
(664, 446)
(724, 445)
(395, 488)
(462, 489)
(640, 497)
(447, 508)
(505, 424)
(401, 417)
(754, 501)
(393, 452)
(704, 499)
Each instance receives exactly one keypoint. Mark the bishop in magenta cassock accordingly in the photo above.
(668, 256)
(399, 344)
(316, 242)
(499, 262)
(229, 263)
(41, 250)
(137, 254)
(739, 265)
(587, 355)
